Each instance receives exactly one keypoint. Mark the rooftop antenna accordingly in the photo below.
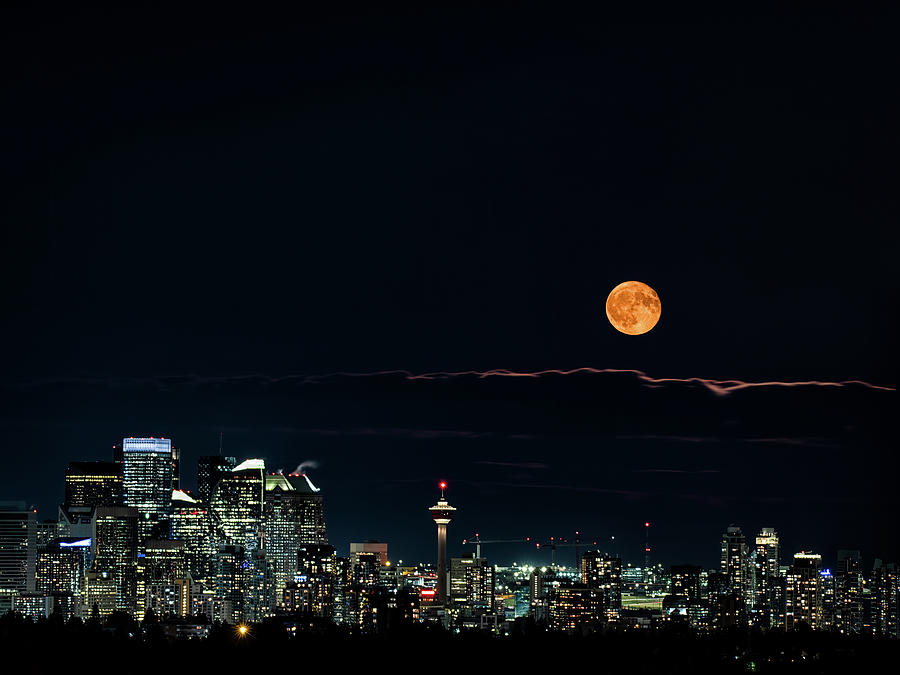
(220, 444)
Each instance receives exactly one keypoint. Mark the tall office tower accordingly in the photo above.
(18, 546)
(803, 591)
(315, 580)
(766, 598)
(827, 603)
(442, 514)
(231, 583)
(163, 573)
(576, 609)
(364, 566)
(542, 583)
(209, 470)
(685, 582)
(60, 567)
(260, 591)
(94, 484)
(342, 595)
(472, 582)
(292, 517)
(603, 571)
(147, 474)
(885, 593)
(734, 561)
(848, 592)
(237, 505)
(115, 543)
(191, 523)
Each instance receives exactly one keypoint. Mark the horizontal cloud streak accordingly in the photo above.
(718, 387)
(516, 465)
(694, 471)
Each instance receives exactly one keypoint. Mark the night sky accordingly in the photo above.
(218, 223)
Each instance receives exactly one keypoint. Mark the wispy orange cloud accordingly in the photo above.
(166, 382)
(718, 387)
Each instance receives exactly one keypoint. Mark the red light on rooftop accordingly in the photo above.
(443, 485)
(646, 524)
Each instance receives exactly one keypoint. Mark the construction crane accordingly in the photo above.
(478, 541)
(561, 542)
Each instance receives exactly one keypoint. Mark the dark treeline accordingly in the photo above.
(121, 644)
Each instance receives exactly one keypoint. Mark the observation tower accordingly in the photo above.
(442, 513)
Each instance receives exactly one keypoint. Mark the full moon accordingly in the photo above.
(633, 308)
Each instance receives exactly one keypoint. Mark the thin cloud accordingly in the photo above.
(517, 465)
(414, 434)
(693, 471)
(717, 387)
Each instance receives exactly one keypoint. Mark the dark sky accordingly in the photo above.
(202, 210)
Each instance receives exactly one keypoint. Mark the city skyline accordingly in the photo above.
(255, 551)
(521, 551)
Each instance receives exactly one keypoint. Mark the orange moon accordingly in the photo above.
(633, 308)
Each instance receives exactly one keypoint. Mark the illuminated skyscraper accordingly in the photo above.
(94, 484)
(60, 567)
(576, 609)
(292, 517)
(191, 523)
(886, 589)
(472, 582)
(18, 547)
(232, 579)
(734, 561)
(147, 471)
(237, 505)
(260, 591)
(163, 575)
(315, 580)
(803, 591)
(364, 577)
(767, 597)
(848, 583)
(604, 572)
(115, 552)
